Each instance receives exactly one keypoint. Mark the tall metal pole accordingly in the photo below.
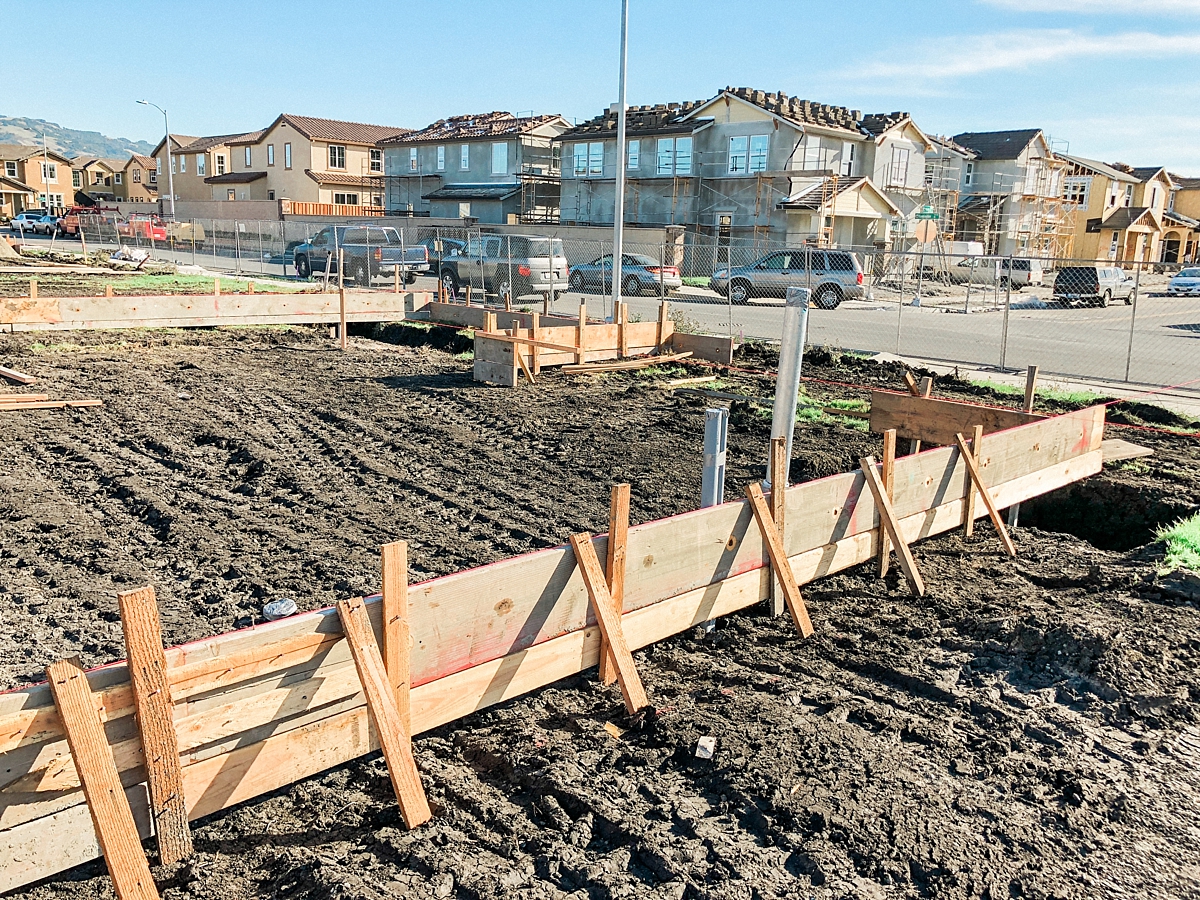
(619, 199)
(167, 145)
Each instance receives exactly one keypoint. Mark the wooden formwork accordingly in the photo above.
(258, 709)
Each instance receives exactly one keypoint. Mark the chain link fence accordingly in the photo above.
(1099, 320)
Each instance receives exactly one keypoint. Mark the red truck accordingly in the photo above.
(143, 227)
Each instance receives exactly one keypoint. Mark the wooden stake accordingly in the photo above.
(579, 331)
(1031, 377)
(610, 622)
(391, 729)
(969, 503)
(534, 324)
(249, 287)
(994, 513)
(517, 352)
(887, 518)
(889, 487)
(396, 270)
(112, 818)
(33, 295)
(664, 309)
(923, 390)
(216, 287)
(156, 723)
(468, 286)
(396, 637)
(780, 565)
(779, 475)
(342, 317)
(108, 291)
(618, 539)
(622, 320)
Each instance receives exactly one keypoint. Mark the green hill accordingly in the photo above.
(68, 141)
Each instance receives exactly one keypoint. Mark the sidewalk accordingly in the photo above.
(1185, 400)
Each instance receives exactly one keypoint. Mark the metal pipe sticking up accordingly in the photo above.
(787, 382)
(621, 163)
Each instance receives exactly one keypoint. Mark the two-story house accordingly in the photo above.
(493, 167)
(1118, 211)
(193, 161)
(1011, 194)
(750, 165)
(309, 160)
(1183, 211)
(140, 177)
(34, 178)
(102, 180)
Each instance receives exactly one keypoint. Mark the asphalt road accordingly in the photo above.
(1092, 343)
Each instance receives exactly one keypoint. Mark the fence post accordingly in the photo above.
(900, 301)
(1007, 306)
(970, 279)
(1137, 283)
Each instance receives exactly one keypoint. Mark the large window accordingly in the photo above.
(270, 154)
(665, 156)
(117, 176)
(137, 176)
(580, 159)
(50, 172)
(76, 177)
(632, 160)
(413, 162)
(683, 156)
(464, 158)
(500, 158)
(346, 199)
(441, 159)
(10, 170)
(337, 156)
(898, 169)
(596, 158)
(758, 152)
(154, 176)
(201, 164)
(737, 154)
(287, 156)
(849, 157)
(219, 163)
(1076, 189)
(376, 160)
(249, 156)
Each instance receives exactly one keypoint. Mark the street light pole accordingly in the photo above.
(619, 200)
(167, 145)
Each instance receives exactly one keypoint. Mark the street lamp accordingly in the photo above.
(167, 144)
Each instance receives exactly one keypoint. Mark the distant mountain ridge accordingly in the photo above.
(68, 141)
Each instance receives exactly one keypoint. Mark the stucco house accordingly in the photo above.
(1119, 211)
(492, 167)
(140, 179)
(193, 161)
(33, 178)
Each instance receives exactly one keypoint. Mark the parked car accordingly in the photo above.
(25, 221)
(638, 273)
(515, 265)
(833, 275)
(1092, 286)
(1185, 282)
(367, 251)
(46, 225)
(439, 247)
(1015, 273)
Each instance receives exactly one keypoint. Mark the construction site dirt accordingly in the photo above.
(1031, 728)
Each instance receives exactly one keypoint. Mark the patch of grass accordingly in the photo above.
(693, 281)
(1132, 466)
(1183, 545)
(855, 405)
(1074, 398)
(465, 356)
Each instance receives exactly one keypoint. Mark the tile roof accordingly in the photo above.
(335, 130)
(801, 112)
(473, 192)
(877, 123)
(24, 151)
(221, 140)
(146, 161)
(482, 125)
(235, 178)
(363, 181)
(998, 144)
(661, 118)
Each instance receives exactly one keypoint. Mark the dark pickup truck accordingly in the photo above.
(367, 250)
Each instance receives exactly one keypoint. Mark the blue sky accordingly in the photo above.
(1110, 79)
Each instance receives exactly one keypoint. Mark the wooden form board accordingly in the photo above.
(264, 707)
(203, 310)
(938, 421)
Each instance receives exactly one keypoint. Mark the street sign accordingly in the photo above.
(927, 213)
(926, 231)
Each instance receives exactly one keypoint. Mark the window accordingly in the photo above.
(464, 157)
(117, 177)
(849, 152)
(464, 209)
(201, 164)
(1153, 196)
(683, 156)
(154, 176)
(412, 159)
(812, 153)
(898, 170)
(1112, 247)
(968, 174)
(249, 157)
(50, 172)
(1129, 195)
(500, 158)
(337, 156)
(580, 156)
(596, 158)
(158, 166)
(556, 159)
(441, 159)
(1171, 201)
(346, 199)
(76, 178)
(758, 152)
(632, 160)
(270, 154)
(137, 176)
(231, 194)
(1077, 189)
(10, 169)
(287, 156)
(182, 163)
(665, 156)
(737, 155)
(97, 178)
(219, 163)
(50, 201)
(270, 195)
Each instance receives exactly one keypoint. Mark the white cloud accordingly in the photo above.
(1103, 7)
(963, 56)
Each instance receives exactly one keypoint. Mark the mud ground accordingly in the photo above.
(1029, 729)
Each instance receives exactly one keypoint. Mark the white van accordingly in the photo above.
(996, 270)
